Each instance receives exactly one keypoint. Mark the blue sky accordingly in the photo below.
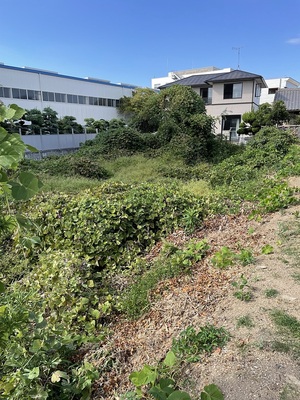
(133, 41)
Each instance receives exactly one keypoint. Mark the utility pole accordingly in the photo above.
(238, 49)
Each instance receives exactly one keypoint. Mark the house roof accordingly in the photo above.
(206, 79)
(290, 97)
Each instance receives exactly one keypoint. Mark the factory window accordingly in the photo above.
(102, 102)
(48, 96)
(33, 94)
(5, 92)
(60, 97)
(82, 99)
(29, 94)
(72, 98)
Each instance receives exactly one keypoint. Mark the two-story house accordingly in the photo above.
(227, 96)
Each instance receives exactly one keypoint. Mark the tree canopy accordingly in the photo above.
(266, 115)
(177, 116)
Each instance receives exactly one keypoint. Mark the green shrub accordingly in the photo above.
(111, 225)
(44, 319)
(70, 165)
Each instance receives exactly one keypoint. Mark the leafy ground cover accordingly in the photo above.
(121, 270)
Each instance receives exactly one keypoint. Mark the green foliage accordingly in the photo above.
(211, 392)
(172, 262)
(111, 225)
(243, 293)
(266, 115)
(191, 344)
(44, 318)
(69, 165)
(24, 185)
(223, 258)
(68, 124)
(265, 151)
(267, 249)
(178, 116)
(155, 381)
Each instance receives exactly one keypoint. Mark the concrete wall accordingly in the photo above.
(57, 142)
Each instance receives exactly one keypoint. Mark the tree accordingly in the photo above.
(266, 115)
(142, 110)
(177, 115)
(36, 118)
(50, 124)
(68, 124)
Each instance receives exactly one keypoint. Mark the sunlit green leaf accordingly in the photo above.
(211, 392)
(58, 375)
(27, 186)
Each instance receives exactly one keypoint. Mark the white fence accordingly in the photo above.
(55, 144)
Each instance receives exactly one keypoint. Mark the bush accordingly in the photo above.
(70, 165)
(111, 229)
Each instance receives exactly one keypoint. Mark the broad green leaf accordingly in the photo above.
(170, 359)
(211, 392)
(3, 176)
(36, 345)
(179, 395)
(27, 186)
(31, 148)
(7, 113)
(58, 375)
(146, 375)
(18, 111)
(95, 313)
(157, 393)
(12, 149)
(34, 373)
(2, 287)
(2, 309)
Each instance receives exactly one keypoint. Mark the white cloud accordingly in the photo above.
(294, 40)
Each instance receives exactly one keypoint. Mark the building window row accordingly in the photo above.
(26, 94)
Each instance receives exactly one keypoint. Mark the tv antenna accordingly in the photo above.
(238, 49)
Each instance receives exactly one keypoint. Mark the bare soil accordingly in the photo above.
(248, 367)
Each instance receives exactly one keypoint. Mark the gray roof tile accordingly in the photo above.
(206, 79)
(290, 97)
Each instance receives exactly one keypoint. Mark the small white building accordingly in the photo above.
(273, 85)
(176, 75)
(81, 98)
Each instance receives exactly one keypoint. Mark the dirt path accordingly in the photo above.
(250, 365)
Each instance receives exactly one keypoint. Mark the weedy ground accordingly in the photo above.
(262, 358)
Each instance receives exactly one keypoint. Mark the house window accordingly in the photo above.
(206, 94)
(257, 90)
(272, 90)
(4, 92)
(233, 90)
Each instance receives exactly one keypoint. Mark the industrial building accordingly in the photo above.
(81, 98)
